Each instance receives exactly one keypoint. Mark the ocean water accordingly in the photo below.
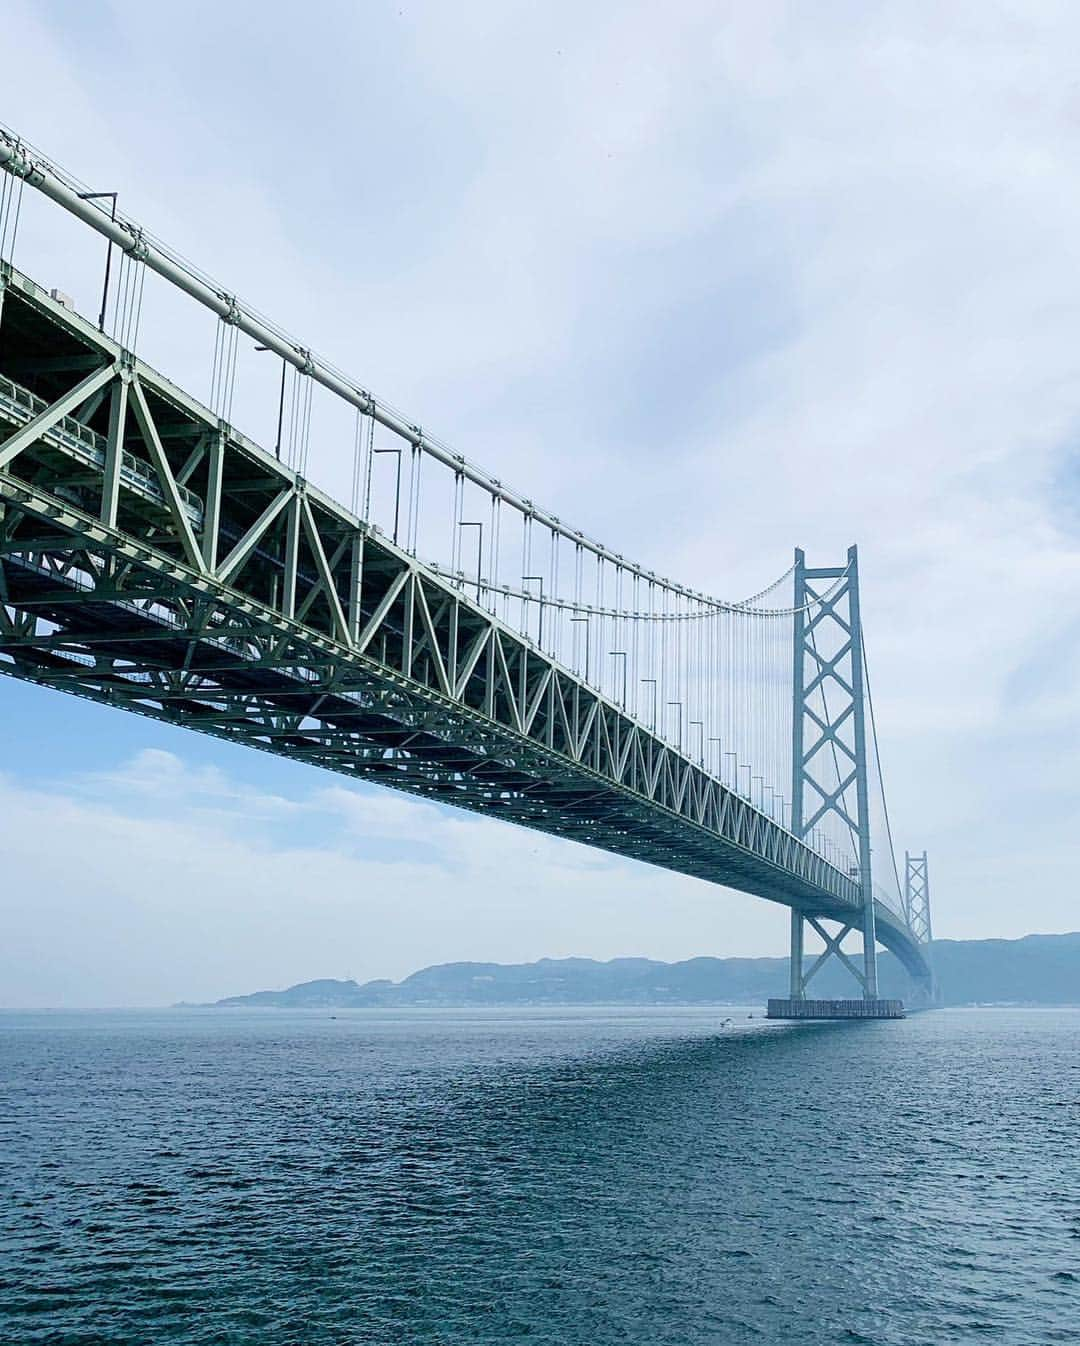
(565, 1177)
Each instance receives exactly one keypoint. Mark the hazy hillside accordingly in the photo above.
(1039, 970)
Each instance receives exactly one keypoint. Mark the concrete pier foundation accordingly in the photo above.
(835, 1009)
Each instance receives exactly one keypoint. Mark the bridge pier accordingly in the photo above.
(798, 984)
(835, 1009)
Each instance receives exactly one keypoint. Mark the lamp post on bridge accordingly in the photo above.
(103, 196)
(585, 619)
(719, 755)
(621, 654)
(680, 706)
(397, 489)
(537, 579)
(652, 722)
(473, 523)
(280, 405)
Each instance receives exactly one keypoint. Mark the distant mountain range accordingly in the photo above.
(1035, 970)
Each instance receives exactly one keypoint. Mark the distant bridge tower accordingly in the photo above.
(917, 896)
(829, 767)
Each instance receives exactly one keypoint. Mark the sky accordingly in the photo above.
(712, 280)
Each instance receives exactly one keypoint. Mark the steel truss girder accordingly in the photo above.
(147, 664)
(197, 580)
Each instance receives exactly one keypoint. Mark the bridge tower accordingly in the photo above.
(917, 896)
(917, 912)
(829, 763)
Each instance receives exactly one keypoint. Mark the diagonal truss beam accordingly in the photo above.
(251, 539)
(169, 485)
(833, 949)
(44, 421)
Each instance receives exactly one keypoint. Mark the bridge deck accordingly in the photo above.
(155, 559)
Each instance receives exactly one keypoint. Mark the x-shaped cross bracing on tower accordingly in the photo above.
(829, 747)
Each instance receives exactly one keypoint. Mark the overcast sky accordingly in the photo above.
(711, 280)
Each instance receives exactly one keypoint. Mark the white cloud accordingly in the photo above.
(156, 882)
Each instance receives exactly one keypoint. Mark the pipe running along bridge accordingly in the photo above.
(441, 633)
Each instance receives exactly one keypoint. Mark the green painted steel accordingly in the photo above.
(154, 559)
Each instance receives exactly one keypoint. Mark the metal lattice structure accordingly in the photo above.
(829, 758)
(156, 559)
(917, 896)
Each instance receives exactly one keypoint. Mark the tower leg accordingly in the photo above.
(862, 789)
(870, 987)
(798, 985)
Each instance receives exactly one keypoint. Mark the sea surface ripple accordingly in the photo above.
(557, 1176)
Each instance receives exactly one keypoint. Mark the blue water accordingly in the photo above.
(577, 1176)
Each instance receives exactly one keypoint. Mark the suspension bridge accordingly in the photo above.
(438, 633)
